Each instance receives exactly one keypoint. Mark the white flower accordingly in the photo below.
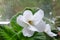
(31, 23)
(48, 31)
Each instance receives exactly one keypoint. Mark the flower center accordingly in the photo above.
(30, 22)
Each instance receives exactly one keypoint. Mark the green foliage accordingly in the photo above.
(13, 23)
(57, 21)
(7, 33)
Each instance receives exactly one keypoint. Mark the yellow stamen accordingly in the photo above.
(30, 22)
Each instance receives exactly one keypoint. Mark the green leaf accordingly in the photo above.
(14, 24)
(7, 32)
(36, 36)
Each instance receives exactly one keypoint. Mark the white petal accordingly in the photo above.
(28, 14)
(40, 26)
(48, 31)
(51, 34)
(32, 28)
(58, 28)
(27, 32)
(38, 16)
(21, 21)
(48, 28)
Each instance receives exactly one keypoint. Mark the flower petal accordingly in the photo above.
(48, 28)
(38, 16)
(32, 28)
(28, 14)
(48, 31)
(51, 34)
(40, 26)
(27, 32)
(21, 21)
(58, 28)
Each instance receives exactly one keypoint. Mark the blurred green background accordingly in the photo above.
(8, 8)
(56, 7)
